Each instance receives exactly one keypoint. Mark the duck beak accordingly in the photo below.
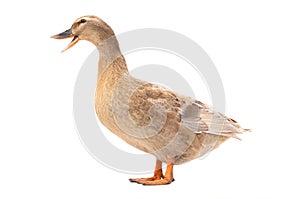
(67, 34)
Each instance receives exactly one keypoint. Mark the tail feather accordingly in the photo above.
(231, 134)
(202, 119)
(226, 127)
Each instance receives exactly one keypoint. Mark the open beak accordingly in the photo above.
(67, 34)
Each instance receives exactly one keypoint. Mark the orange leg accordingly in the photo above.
(158, 178)
(157, 174)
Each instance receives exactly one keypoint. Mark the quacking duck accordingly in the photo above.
(174, 128)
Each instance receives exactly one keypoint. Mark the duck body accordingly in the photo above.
(154, 119)
(172, 127)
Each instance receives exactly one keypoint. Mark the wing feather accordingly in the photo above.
(202, 119)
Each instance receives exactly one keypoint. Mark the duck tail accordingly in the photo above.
(230, 128)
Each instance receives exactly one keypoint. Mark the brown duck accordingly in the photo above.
(172, 127)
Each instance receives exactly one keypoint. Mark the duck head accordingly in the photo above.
(90, 28)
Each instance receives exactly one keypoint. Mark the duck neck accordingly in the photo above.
(111, 58)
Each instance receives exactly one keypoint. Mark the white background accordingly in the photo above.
(255, 46)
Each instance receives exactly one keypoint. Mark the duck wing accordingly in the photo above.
(201, 118)
(161, 109)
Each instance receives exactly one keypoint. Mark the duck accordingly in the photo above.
(174, 128)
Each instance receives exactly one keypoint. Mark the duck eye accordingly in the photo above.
(82, 20)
